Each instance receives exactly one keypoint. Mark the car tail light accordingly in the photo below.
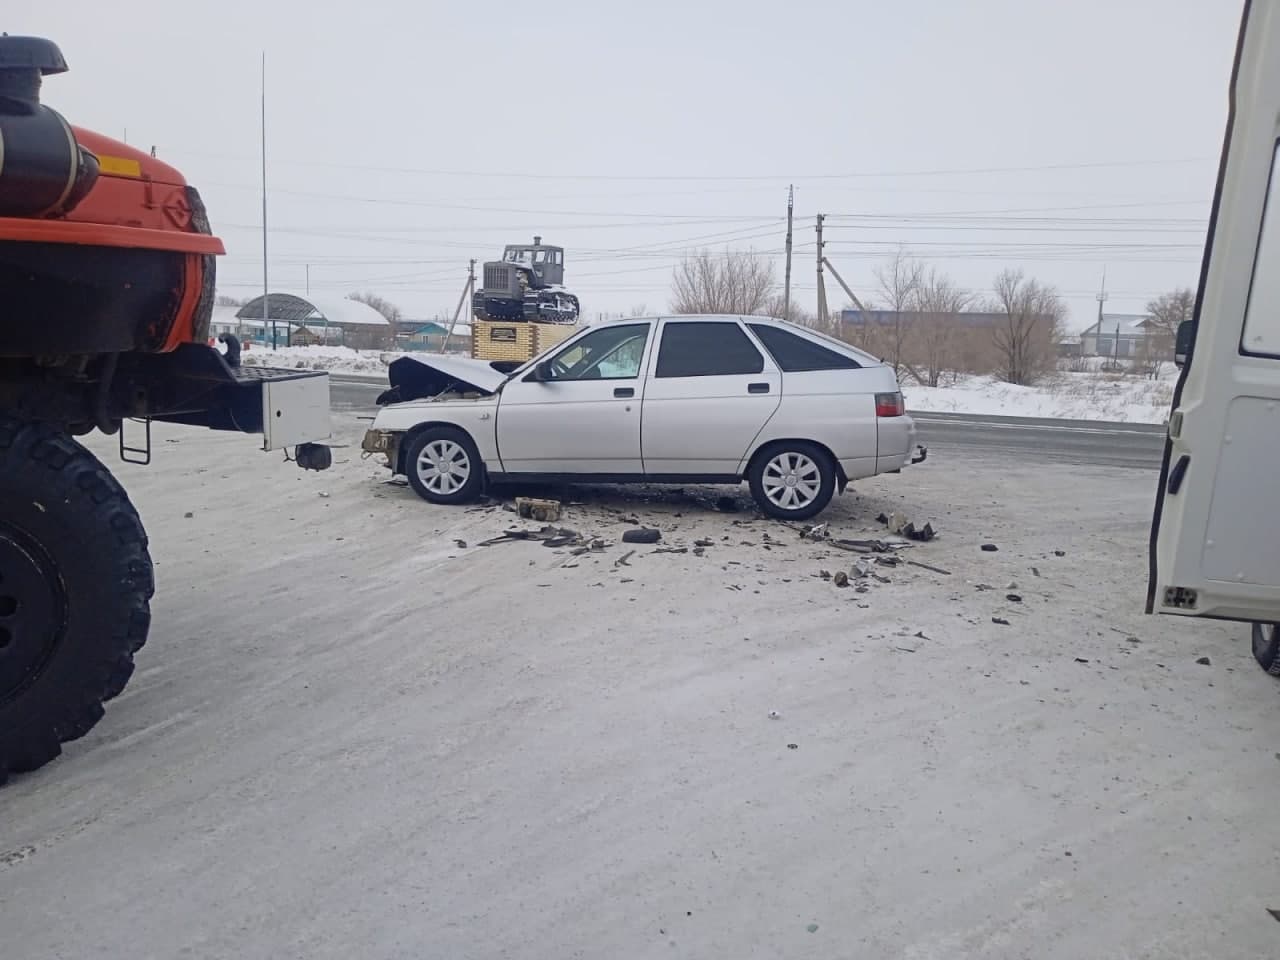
(890, 405)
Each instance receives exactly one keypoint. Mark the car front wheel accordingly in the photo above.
(1266, 647)
(443, 466)
(793, 480)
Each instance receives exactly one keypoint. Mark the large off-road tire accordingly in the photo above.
(75, 585)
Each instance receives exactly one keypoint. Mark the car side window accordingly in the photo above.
(795, 354)
(702, 349)
(614, 352)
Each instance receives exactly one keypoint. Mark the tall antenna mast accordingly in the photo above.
(786, 295)
(266, 296)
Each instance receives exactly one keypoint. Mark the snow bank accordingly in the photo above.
(331, 358)
(1070, 396)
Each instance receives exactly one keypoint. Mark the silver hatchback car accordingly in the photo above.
(678, 399)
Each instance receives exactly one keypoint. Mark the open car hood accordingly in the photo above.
(417, 378)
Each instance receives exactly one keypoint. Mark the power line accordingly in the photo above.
(783, 176)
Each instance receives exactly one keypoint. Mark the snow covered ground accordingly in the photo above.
(1071, 396)
(357, 733)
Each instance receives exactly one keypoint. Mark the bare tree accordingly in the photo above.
(736, 281)
(387, 309)
(1170, 309)
(1165, 313)
(939, 327)
(1029, 329)
(899, 281)
(222, 300)
(799, 315)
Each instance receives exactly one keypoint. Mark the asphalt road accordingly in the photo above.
(1132, 445)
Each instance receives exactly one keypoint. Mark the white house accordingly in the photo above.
(1125, 336)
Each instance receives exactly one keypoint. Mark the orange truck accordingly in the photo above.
(107, 265)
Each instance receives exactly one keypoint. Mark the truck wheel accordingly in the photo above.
(443, 466)
(75, 581)
(792, 480)
(1266, 647)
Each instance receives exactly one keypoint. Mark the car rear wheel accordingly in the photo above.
(1266, 647)
(792, 480)
(443, 466)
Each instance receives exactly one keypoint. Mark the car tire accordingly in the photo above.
(444, 466)
(792, 480)
(1266, 647)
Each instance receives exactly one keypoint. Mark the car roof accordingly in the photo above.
(727, 317)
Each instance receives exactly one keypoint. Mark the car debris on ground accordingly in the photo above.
(544, 511)
(903, 526)
(642, 535)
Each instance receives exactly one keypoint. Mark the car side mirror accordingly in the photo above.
(542, 372)
(1183, 339)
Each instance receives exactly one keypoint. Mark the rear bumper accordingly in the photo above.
(896, 443)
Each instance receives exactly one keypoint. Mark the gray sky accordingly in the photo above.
(405, 137)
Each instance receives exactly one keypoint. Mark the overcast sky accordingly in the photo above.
(405, 137)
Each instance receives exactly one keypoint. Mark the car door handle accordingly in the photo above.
(757, 388)
(624, 392)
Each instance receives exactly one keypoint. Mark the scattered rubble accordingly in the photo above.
(841, 579)
(990, 547)
(1059, 553)
(1000, 620)
(1204, 662)
(624, 560)
(1013, 597)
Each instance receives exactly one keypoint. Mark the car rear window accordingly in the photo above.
(694, 349)
(795, 354)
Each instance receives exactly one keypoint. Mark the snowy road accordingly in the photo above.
(1135, 445)
(351, 736)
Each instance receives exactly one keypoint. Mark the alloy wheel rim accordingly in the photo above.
(791, 480)
(444, 466)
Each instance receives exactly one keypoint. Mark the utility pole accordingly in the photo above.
(1101, 298)
(786, 294)
(467, 292)
(822, 289)
(266, 296)
(308, 279)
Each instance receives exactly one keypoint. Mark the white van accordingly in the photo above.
(1215, 538)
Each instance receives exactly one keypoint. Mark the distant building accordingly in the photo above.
(431, 336)
(299, 320)
(1126, 336)
(971, 341)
